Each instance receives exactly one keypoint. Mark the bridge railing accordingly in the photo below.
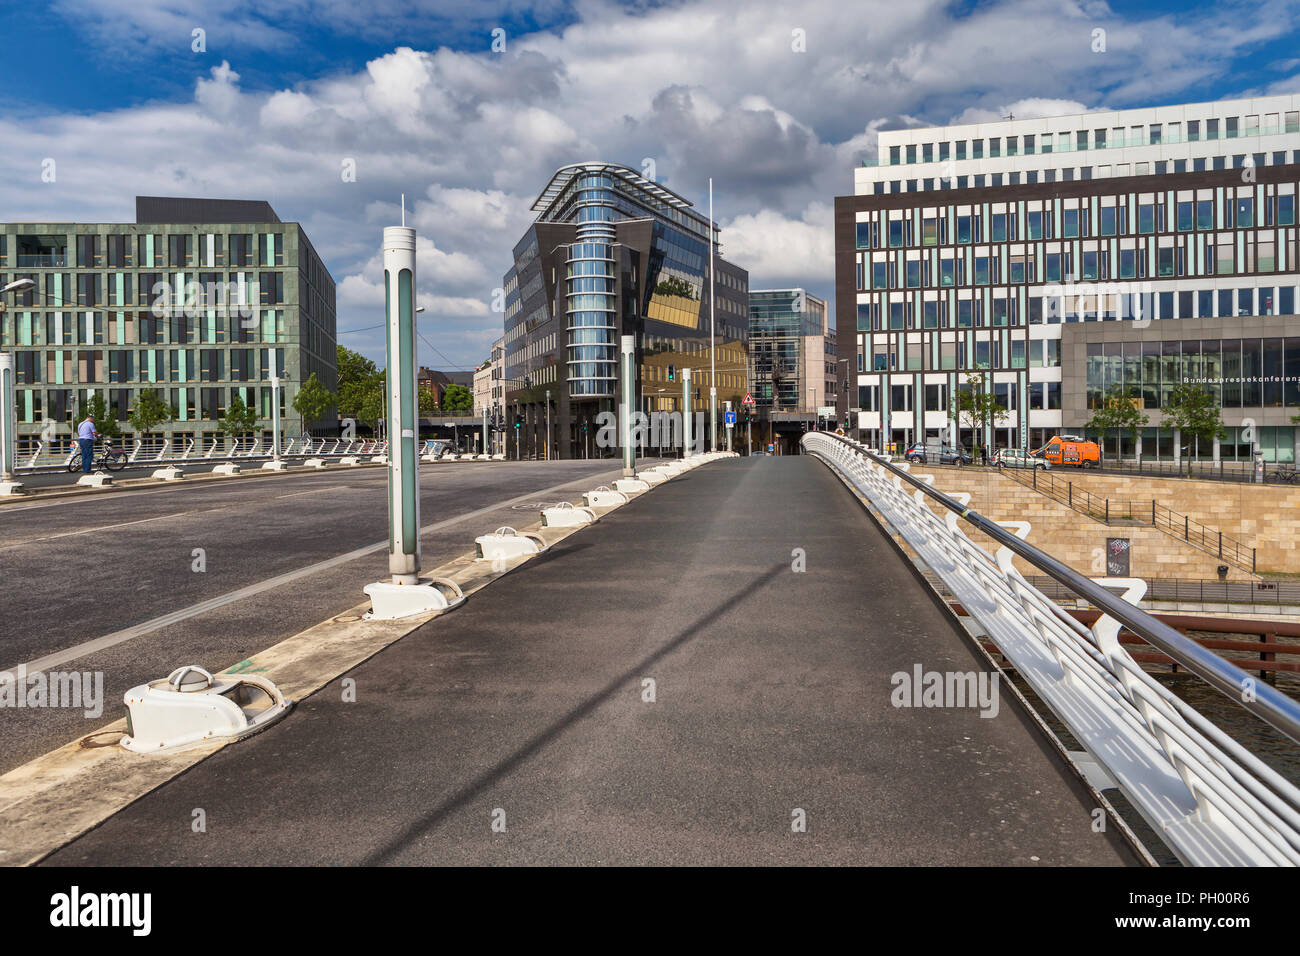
(55, 456)
(1211, 800)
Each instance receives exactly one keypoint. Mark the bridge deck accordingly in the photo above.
(772, 693)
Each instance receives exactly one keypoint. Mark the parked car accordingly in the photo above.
(931, 453)
(1019, 458)
(1071, 450)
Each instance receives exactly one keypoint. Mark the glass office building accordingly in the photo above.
(612, 253)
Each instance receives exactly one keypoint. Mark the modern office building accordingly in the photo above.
(612, 253)
(993, 248)
(199, 299)
(791, 363)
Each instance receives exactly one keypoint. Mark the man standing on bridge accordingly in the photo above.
(86, 435)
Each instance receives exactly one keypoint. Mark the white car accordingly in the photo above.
(1019, 458)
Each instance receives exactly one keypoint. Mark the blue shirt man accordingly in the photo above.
(86, 435)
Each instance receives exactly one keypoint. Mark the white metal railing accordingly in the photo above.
(1211, 800)
(56, 456)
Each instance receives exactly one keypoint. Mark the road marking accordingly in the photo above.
(107, 527)
(314, 491)
(174, 617)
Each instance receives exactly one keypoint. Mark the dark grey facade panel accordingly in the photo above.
(179, 209)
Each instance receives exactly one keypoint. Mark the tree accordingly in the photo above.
(239, 420)
(978, 407)
(105, 423)
(428, 402)
(1119, 412)
(312, 401)
(150, 411)
(457, 398)
(356, 375)
(371, 401)
(1193, 410)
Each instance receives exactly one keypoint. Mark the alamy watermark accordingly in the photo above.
(947, 689)
(82, 690)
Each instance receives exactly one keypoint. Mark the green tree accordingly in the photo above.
(457, 398)
(428, 402)
(1193, 410)
(239, 420)
(149, 412)
(356, 375)
(978, 408)
(1119, 413)
(105, 422)
(371, 401)
(312, 401)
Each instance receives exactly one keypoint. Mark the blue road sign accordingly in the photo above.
(731, 418)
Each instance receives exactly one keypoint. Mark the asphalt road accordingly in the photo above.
(78, 569)
(528, 707)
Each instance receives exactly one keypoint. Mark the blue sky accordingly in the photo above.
(412, 94)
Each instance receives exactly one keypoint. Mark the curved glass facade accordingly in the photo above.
(590, 302)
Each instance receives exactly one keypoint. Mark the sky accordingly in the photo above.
(468, 108)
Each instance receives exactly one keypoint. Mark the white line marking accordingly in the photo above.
(174, 617)
(107, 527)
(314, 491)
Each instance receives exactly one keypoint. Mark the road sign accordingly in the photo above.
(749, 399)
(770, 449)
(731, 419)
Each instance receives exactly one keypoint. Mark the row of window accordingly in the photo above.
(1151, 134)
(1070, 174)
(896, 313)
(95, 366)
(133, 250)
(165, 291)
(890, 354)
(1240, 373)
(37, 406)
(139, 328)
(935, 397)
(1084, 220)
(1243, 254)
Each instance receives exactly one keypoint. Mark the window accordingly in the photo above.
(900, 398)
(930, 315)
(943, 151)
(1013, 145)
(1185, 217)
(929, 232)
(1107, 220)
(977, 149)
(911, 154)
(963, 229)
(1146, 218)
(981, 270)
(927, 152)
(1205, 214)
(1128, 263)
(947, 271)
(961, 149)
(1245, 211)
(896, 233)
(995, 146)
(1090, 265)
(1212, 129)
(1165, 260)
(864, 235)
(895, 155)
(999, 227)
(1286, 210)
(1018, 266)
(1193, 131)
(1029, 143)
(1155, 132)
(879, 275)
(914, 274)
(965, 316)
(1071, 223)
(1034, 225)
(1232, 127)
(1052, 266)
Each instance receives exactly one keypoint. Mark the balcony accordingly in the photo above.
(42, 259)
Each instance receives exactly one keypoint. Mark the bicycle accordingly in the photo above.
(114, 459)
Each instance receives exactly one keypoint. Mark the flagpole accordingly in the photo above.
(713, 344)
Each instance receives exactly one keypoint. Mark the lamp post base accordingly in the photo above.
(9, 489)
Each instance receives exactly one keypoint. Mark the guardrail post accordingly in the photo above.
(1107, 511)
(1186, 528)
(1069, 493)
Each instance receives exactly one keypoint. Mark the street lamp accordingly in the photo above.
(8, 407)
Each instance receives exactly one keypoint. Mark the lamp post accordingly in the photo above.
(627, 370)
(713, 344)
(686, 412)
(8, 405)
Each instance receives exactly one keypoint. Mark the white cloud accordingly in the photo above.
(705, 89)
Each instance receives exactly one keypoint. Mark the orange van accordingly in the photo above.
(1071, 450)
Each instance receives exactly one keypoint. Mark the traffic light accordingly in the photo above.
(672, 374)
(528, 381)
(519, 421)
(697, 394)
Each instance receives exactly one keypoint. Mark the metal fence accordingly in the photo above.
(1138, 511)
(47, 457)
(1212, 800)
(1257, 595)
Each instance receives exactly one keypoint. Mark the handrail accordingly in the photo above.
(1145, 511)
(1211, 800)
(1270, 705)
